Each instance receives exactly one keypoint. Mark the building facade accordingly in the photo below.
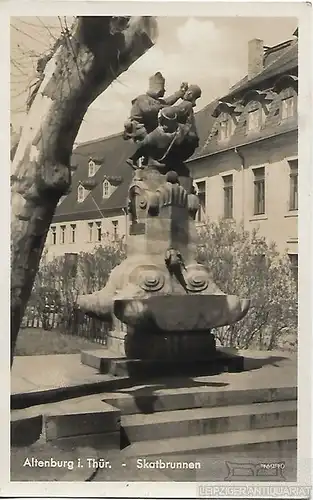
(245, 168)
(94, 211)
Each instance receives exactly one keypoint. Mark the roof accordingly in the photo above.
(114, 151)
(237, 141)
(286, 60)
(204, 121)
(204, 124)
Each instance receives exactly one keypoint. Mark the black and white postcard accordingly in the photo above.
(160, 249)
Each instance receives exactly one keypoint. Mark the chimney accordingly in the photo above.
(255, 57)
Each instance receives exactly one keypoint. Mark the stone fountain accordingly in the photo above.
(161, 301)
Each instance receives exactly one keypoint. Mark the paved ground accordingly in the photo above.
(37, 373)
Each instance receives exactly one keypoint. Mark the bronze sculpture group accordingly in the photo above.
(163, 130)
(162, 300)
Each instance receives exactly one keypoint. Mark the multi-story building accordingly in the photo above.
(245, 168)
(94, 211)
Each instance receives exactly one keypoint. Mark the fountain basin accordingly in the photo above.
(192, 313)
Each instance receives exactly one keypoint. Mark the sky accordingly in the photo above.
(210, 52)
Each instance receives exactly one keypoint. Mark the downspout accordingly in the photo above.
(242, 159)
(126, 222)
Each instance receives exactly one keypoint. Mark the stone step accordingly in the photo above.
(203, 421)
(277, 439)
(152, 368)
(117, 365)
(150, 399)
(86, 418)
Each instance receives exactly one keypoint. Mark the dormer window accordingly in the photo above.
(91, 168)
(254, 120)
(80, 194)
(227, 125)
(106, 189)
(288, 108)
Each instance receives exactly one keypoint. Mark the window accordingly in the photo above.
(80, 193)
(53, 235)
(106, 189)
(264, 113)
(62, 234)
(73, 233)
(259, 191)
(90, 231)
(254, 120)
(293, 200)
(92, 168)
(202, 200)
(228, 196)
(115, 228)
(287, 108)
(293, 257)
(226, 128)
(99, 231)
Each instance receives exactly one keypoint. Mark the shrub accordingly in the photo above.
(74, 274)
(244, 264)
(241, 262)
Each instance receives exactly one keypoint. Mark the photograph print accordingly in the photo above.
(154, 249)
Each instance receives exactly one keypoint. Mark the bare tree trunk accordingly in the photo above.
(88, 60)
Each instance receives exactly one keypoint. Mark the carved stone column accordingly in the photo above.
(163, 303)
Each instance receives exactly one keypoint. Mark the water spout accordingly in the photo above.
(175, 266)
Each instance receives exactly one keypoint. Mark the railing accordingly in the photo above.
(80, 325)
(74, 323)
(35, 319)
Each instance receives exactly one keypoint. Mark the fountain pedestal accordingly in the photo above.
(132, 344)
(163, 303)
(142, 356)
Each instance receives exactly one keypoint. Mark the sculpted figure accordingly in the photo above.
(175, 138)
(188, 141)
(184, 109)
(156, 144)
(145, 108)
